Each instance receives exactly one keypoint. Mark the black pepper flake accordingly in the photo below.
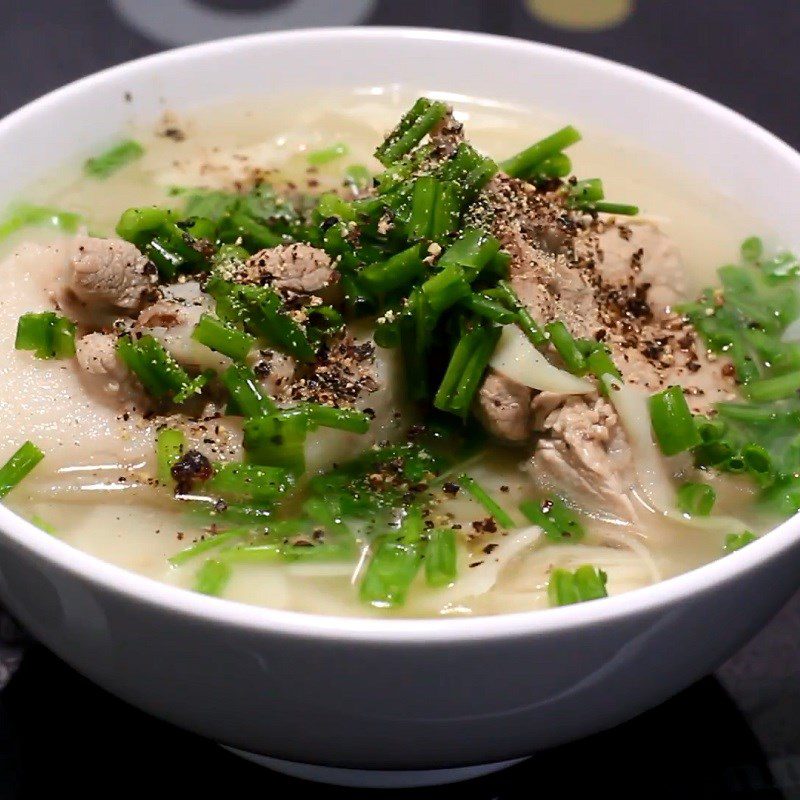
(192, 466)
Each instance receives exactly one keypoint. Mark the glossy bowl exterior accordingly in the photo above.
(415, 693)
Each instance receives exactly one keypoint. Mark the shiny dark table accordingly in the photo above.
(735, 734)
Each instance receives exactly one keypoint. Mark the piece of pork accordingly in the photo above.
(620, 286)
(503, 406)
(102, 370)
(297, 267)
(104, 277)
(583, 453)
(551, 287)
(638, 249)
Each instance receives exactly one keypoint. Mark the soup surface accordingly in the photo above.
(424, 395)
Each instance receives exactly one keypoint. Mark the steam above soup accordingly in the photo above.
(418, 382)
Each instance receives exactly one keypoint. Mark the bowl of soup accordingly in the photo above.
(386, 404)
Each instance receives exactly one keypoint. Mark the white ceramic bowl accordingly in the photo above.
(397, 695)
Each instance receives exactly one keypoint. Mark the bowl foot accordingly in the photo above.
(374, 778)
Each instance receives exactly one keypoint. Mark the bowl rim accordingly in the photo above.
(166, 597)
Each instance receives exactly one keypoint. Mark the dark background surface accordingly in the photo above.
(736, 734)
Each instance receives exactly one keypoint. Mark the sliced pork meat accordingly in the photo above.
(293, 267)
(551, 287)
(504, 408)
(583, 453)
(163, 314)
(105, 276)
(638, 250)
(614, 280)
(101, 368)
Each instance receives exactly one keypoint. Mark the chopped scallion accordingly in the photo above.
(212, 577)
(441, 556)
(113, 159)
(736, 541)
(170, 444)
(500, 515)
(18, 466)
(318, 158)
(414, 125)
(559, 522)
(526, 163)
(695, 499)
(223, 338)
(242, 385)
(672, 421)
(47, 334)
(210, 542)
(277, 439)
(586, 583)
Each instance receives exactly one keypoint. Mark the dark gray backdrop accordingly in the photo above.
(55, 728)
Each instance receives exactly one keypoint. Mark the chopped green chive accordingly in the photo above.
(43, 524)
(262, 484)
(600, 364)
(25, 215)
(223, 338)
(766, 390)
(113, 159)
(566, 346)
(157, 370)
(423, 203)
(587, 191)
(782, 265)
(47, 334)
(359, 176)
(526, 162)
(396, 272)
(484, 306)
(18, 466)
(445, 289)
(170, 444)
(695, 499)
(469, 169)
(465, 370)
(752, 249)
(672, 421)
(526, 322)
(394, 564)
(473, 251)
(557, 166)
(277, 439)
(500, 515)
(212, 577)
(346, 419)
(757, 459)
(214, 542)
(736, 541)
(559, 522)
(318, 158)
(441, 555)
(606, 207)
(414, 125)
(193, 387)
(586, 583)
(247, 397)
